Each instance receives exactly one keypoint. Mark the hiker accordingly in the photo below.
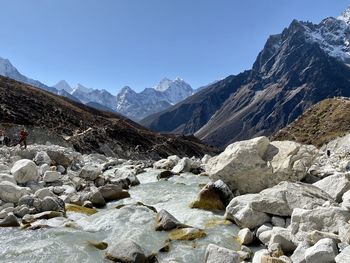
(2, 137)
(23, 138)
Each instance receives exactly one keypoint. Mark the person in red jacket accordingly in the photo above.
(23, 138)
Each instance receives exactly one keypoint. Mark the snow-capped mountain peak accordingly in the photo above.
(345, 16)
(81, 88)
(163, 85)
(63, 85)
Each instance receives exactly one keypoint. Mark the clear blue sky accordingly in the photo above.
(112, 43)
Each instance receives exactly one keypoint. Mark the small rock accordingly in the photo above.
(9, 221)
(165, 175)
(96, 198)
(98, 245)
(52, 204)
(344, 256)
(42, 158)
(89, 173)
(126, 251)
(216, 254)
(113, 192)
(165, 221)
(275, 250)
(42, 193)
(52, 176)
(324, 251)
(186, 234)
(88, 204)
(259, 255)
(245, 236)
(80, 209)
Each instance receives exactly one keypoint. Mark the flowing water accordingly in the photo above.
(70, 244)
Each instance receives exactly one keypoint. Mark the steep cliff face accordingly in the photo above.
(86, 129)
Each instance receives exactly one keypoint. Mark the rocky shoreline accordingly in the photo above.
(292, 199)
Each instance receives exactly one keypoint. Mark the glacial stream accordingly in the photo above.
(60, 243)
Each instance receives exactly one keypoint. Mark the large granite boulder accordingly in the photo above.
(24, 171)
(253, 165)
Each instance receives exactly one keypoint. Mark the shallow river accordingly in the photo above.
(70, 244)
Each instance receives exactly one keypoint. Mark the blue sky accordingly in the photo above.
(112, 43)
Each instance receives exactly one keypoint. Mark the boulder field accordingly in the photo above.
(290, 200)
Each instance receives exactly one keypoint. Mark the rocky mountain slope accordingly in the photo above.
(54, 118)
(320, 124)
(303, 65)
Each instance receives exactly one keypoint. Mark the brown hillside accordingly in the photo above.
(320, 124)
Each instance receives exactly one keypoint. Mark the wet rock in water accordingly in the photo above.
(126, 176)
(325, 219)
(165, 221)
(89, 173)
(88, 204)
(112, 192)
(11, 193)
(99, 245)
(245, 236)
(8, 178)
(214, 196)
(43, 215)
(80, 209)
(51, 176)
(167, 164)
(216, 254)
(165, 175)
(344, 256)
(126, 251)
(42, 158)
(24, 171)
(208, 199)
(186, 234)
(335, 185)
(253, 165)
(96, 198)
(21, 211)
(324, 251)
(183, 166)
(9, 221)
(50, 203)
(239, 211)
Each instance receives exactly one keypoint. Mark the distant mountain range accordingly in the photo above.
(127, 102)
(303, 65)
(53, 118)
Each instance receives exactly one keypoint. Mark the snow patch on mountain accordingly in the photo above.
(63, 85)
(332, 35)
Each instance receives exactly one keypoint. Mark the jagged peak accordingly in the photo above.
(345, 16)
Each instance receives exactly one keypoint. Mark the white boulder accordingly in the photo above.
(24, 171)
(42, 158)
(323, 251)
(11, 193)
(335, 185)
(216, 254)
(344, 256)
(253, 165)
